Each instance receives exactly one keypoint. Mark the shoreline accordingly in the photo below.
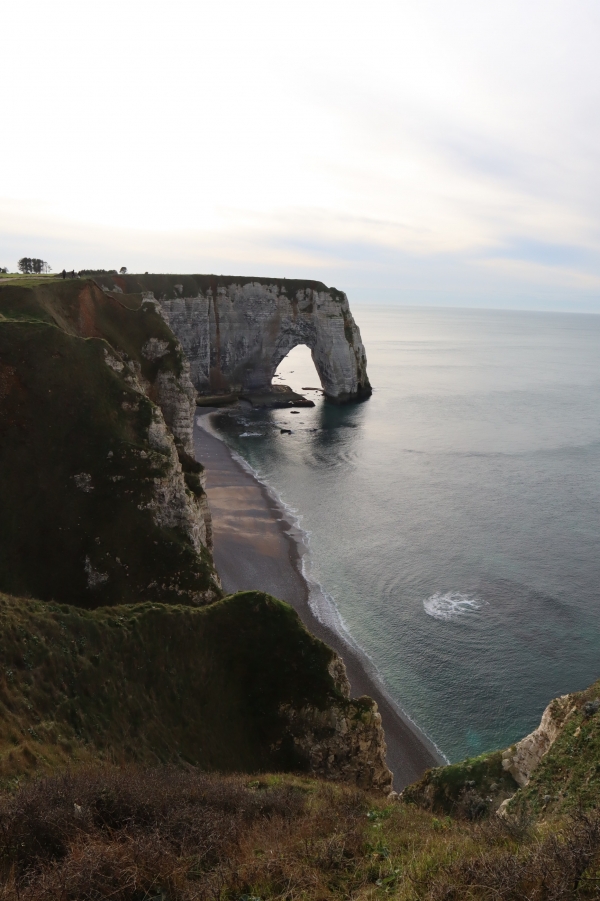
(255, 548)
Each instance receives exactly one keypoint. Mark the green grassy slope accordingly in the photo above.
(81, 309)
(568, 776)
(472, 788)
(156, 683)
(566, 779)
(77, 469)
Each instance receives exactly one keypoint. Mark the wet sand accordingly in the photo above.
(254, 550)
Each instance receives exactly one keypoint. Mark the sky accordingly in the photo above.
(432, 151)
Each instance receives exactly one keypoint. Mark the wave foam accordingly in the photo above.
(450, 604)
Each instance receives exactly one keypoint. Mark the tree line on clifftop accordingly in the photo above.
(37, 266)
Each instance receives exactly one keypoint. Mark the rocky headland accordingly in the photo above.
(104, 505)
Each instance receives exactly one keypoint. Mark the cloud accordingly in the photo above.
(548, 254)
(446, 152)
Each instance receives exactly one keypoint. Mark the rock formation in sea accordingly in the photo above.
(235, 331)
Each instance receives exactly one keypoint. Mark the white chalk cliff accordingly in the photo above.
(236, 331)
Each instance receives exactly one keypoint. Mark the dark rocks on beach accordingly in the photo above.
(280, 396)
(285, 431)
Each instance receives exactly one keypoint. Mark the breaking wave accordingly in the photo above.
(450, 604)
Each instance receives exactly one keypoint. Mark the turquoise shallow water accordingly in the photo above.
(454, 518)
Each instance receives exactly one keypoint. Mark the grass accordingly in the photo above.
(20, 276)
(135, 833)
(470, 788)
(158, 683)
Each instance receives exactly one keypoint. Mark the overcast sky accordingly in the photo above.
(431, 151)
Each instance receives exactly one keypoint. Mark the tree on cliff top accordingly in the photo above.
(33, 264)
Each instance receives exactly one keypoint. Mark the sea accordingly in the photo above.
(452, 521)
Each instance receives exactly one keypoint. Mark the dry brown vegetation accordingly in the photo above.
(135, 834)
(140, 834)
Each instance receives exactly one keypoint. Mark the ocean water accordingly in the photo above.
(454, 517)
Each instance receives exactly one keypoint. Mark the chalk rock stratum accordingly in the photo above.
(522, 759)
(236, 335)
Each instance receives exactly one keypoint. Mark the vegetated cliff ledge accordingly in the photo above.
(235, 330)
(553, 770)
(239, 685)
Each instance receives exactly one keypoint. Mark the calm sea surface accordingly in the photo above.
(454, 518)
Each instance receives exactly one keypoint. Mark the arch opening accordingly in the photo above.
(297, 370)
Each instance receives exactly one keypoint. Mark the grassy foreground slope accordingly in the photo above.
(135, 834)
(89, 477)
(158, 683)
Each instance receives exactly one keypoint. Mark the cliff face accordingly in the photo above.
(523, 758)
(236, 331)
(344, 741)
(97, 485)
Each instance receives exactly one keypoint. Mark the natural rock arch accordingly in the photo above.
(235, 333)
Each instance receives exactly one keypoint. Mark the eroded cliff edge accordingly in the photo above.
(235, 331)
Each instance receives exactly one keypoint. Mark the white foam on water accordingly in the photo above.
(450, 604)
(251, 435)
